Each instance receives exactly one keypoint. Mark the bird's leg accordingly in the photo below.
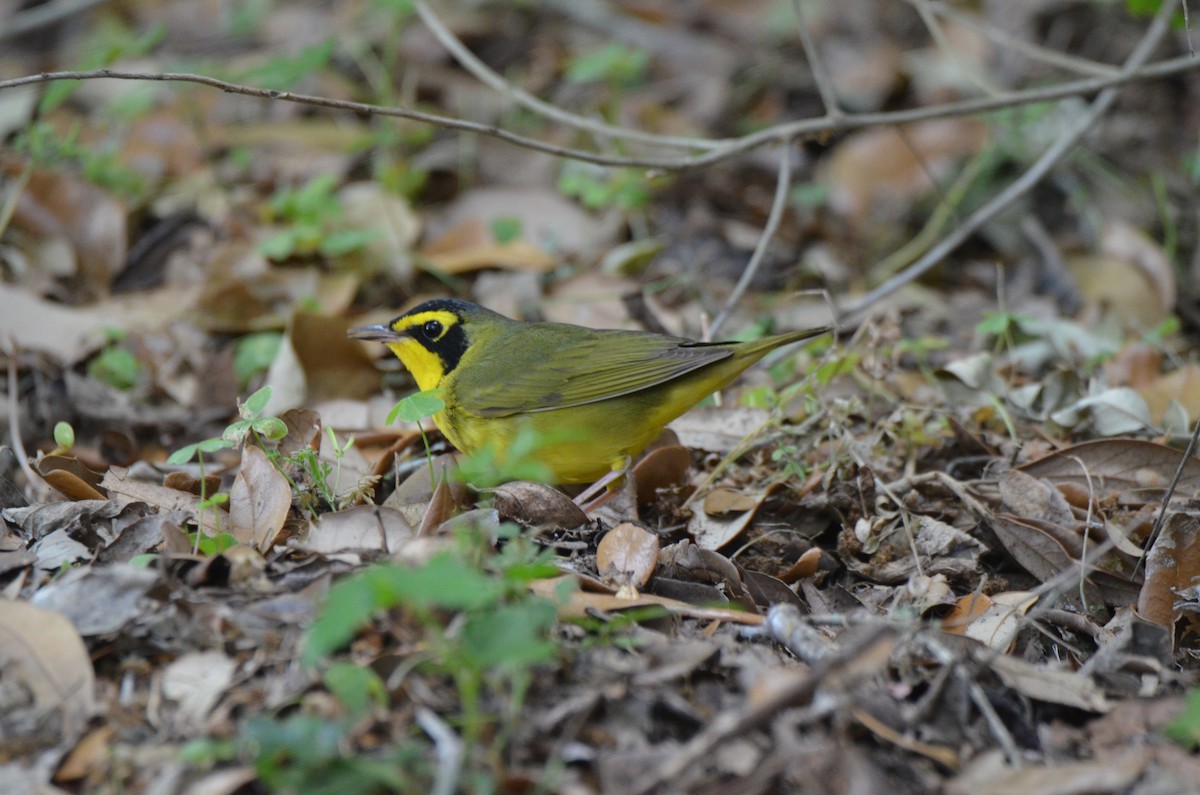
(608, 484)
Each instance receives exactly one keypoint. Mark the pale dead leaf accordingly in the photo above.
(118, 485)
(1115, 465)
(374, 527)
(43, 652)
(196, 681)
(367, 205)
(259, 500)
(1068, 688)
(626, 557)
(997, 624)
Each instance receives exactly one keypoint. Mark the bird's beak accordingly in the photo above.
(380, 332)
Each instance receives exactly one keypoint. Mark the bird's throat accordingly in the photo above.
(425, 365)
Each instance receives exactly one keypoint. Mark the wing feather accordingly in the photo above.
(553, 366)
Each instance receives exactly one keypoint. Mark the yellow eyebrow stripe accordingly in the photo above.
(406, 322)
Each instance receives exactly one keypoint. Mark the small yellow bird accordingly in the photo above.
(594, 398)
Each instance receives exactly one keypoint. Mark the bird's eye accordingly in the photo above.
(432, 329)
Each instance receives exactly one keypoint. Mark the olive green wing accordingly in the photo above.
(553, 366)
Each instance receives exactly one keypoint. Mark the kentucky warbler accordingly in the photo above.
(593, 398)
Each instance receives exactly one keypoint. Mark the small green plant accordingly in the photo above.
(1185, 728)
(116, 366)
(506, 229)
(283, 72)
(598, 189)
(312, 217)
(415, 408)
(253, 354)
(481, 628)
(617, 65)
(64, 438)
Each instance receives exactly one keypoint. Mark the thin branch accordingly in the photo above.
(934, 26)
(787, 130)
(1035, 52)
(1032, 176)
(486, 75)
(819, 75)
(782, 183)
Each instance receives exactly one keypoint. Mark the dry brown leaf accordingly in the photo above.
(724, 501)
(70, 485)
(330, 364)
(211, 520)
(1182, 386)
(471, 247)
(1068, 688)
(664, 467)
(878, 174)
(1172, 564)
(89, 756)
(259, 500)
(805, 566)
(626, 557)
(715, 531)
(1116, 465)
(63, 204)
(537, 505)
(988, 774)
(440, 509)
(41, 651)
(374, 527)
(1028, 497)
(993, 621)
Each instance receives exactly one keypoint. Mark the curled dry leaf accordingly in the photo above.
(713, 531)
(664, 467)
(626, 557)
(537, 505)
(993, 621)
(259, 500)
(1172, 565)
(70, 477)
(41, 652)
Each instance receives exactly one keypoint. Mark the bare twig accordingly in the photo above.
(1166, 500)
(784, 131)
(938, 34)
(819, 75)
(1032, 176)
(782, 182)
(14, 425)
(486, 75)
(1035, 52)
(873, 644)
(449, 752)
